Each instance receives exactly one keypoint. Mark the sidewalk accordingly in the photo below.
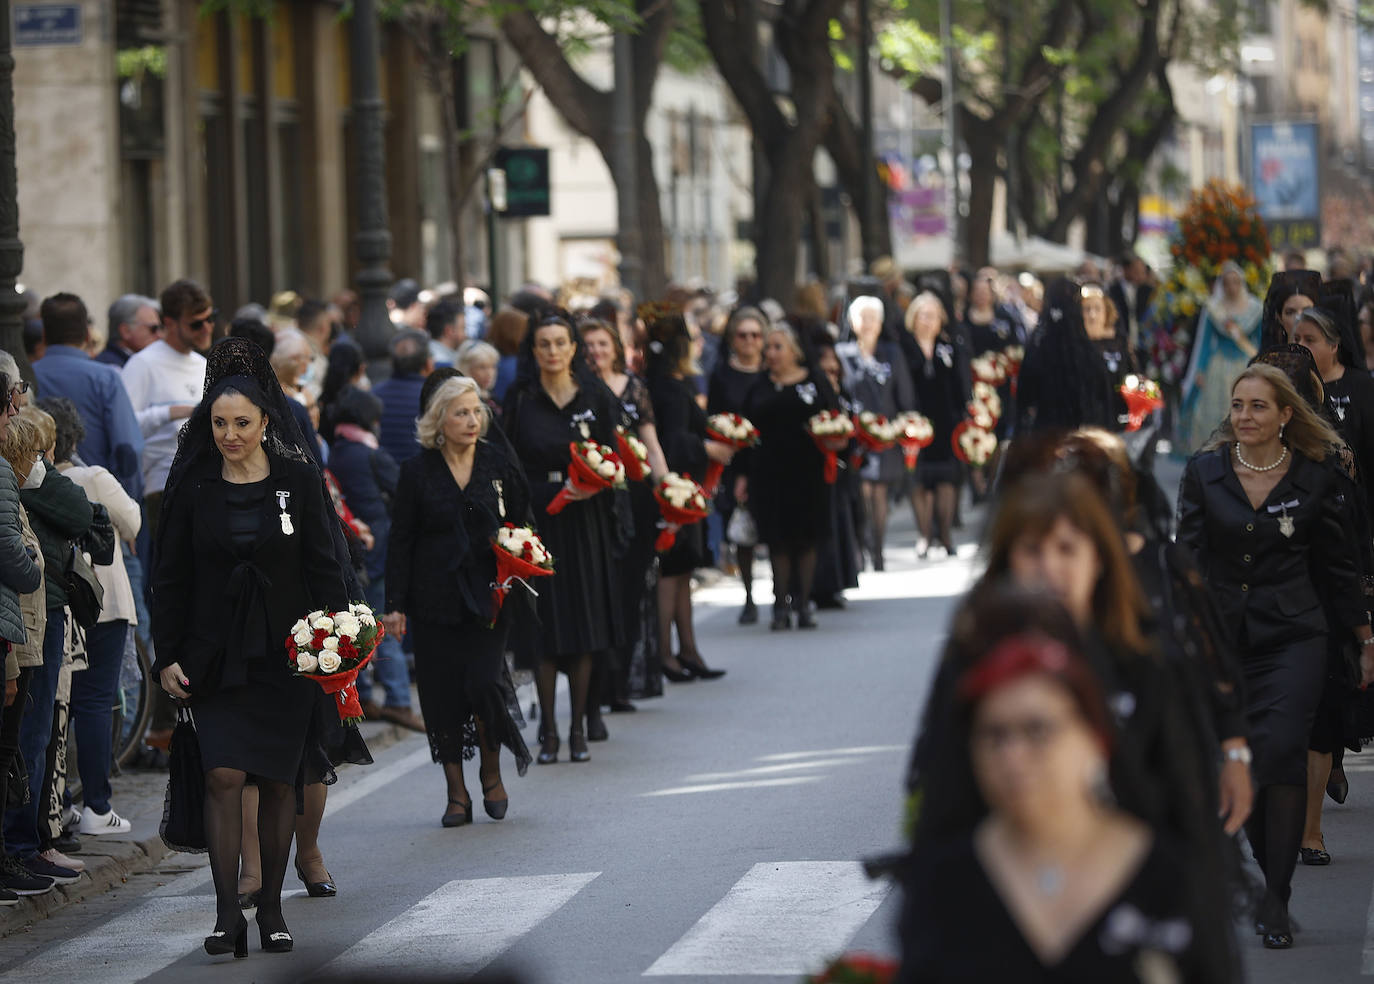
(110, 860)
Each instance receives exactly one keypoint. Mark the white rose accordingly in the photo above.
(330, 662)
(300, 627)
(606, 469)
(313, 615)
(302, 637)
(347, 626)
(367, 619)
(330, 644)
(594, 457)
(307, 663)
(323, 622)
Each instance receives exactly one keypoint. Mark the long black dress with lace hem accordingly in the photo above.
(637, 661)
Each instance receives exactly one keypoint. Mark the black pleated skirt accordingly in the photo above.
(259, 727)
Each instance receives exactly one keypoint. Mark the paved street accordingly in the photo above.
(717, 836)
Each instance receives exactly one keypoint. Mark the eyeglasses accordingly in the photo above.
(1035, 732)
(198, 323)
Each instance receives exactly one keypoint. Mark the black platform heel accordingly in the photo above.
(320, 889)
(496, 809)
(548, 748)
(223, 941)
(276, 941)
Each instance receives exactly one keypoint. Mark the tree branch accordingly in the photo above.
(586, 108)
(732, 39)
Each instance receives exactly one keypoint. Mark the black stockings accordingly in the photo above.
(1275, 833)
(935, 513)
(675, 609)
(794, 570)
(579, 686)
(224, 836)
(875, 509)
(744, 557)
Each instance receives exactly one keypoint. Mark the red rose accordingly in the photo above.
(317, 640)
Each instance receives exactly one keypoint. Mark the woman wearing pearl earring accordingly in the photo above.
(1263, 514)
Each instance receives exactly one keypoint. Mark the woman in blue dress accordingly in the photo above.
(1228, 337)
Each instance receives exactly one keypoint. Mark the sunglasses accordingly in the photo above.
(208, 321)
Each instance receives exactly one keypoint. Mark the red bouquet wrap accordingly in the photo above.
(520, 554)
(592, 468)
(331, 647)
(731, 429)
(914, 432)
(875, 432)
(1143, 398)
(973, 444)
(832, 431)
(633, 453)
(681, 502)
(857, 968)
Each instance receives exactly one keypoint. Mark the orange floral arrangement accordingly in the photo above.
(1221, 223)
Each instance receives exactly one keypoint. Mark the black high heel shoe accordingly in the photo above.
(458, 819)
(317, 890)
(577, 747)
(805, 620)
(782, 619)
(496, 809)
(596, 727)
(548, 748)
(223, 941)
(683, 675)
(699, 669)
(274, 941)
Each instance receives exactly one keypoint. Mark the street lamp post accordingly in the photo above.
(11, 249)
(373, 241)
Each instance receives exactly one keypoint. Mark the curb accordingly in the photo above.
(110, 863)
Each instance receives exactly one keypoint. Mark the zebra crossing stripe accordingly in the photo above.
(462, 926)
(152, 935)
(780, 919)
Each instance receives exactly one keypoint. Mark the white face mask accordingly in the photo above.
(35, 478)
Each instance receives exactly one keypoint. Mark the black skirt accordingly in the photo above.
(636, 662)
(461, 675)
(259, 727)
(1283, 687)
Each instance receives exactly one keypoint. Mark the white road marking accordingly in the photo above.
(769, 770)
(153, 934)
(461, 927)
(859, 750)
(780, 919)
(718, 787)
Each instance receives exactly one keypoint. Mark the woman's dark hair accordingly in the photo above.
(670, 346)
(1282, 286)
(507, 329)
(255, 331)
(1032, 507)
(67, 419)
(1338, 300)
(357, 407)
(589, 323)
(345, 359)
(527, 371)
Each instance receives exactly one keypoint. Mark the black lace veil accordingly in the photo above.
(1282, 286)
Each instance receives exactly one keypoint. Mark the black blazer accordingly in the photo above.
(216, 609)
(1271, 587)
(440, 565)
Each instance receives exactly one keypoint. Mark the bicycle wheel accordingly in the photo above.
(133, 706)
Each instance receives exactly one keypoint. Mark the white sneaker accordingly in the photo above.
(94, 824)
(54, 856)
(71, 818)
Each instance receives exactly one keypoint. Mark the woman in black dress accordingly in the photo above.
(785, 488)
(1034, 874)
(992, 328)
(727, 391)
(637, 670)
(1262, 513)
(244, 521)
(877, 377)
(841, 557)
(449, 502)
(942, 389)
(671, 371)
(1065, 381)
(556, 401)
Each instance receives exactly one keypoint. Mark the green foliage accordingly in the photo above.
(133, 63)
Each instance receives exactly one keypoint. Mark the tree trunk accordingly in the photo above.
(982, 149)
(820, 242)
(653, 273)
(455, 186)
(778, 223)
(841, 143)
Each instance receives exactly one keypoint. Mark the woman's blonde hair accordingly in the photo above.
(925, 297)
(429, 427)
(1306, 432)
(24, 437)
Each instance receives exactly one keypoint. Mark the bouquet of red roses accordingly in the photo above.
(989, 368)
(634, 454)
(682, 503)
(973, 443)
(591, 468)
(731, 429)
(832, 432)
(1143, 397)
(914, 432)
(520, 554)
(874, 431)
(331, 647)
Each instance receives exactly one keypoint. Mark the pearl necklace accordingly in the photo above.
(1283, 456)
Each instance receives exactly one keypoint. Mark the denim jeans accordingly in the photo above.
(93, 695)
(133, 566)
(388, 662)
(35, 731)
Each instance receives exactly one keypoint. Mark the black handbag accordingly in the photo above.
(85, 596)
(99, 540)
(183, 806)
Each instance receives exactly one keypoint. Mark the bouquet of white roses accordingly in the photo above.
(519, 554)
(682, 503)
(914, 432)
(331, 647)
(592, 467)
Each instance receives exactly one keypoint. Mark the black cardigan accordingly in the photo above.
(215, 609)
(440, 564)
